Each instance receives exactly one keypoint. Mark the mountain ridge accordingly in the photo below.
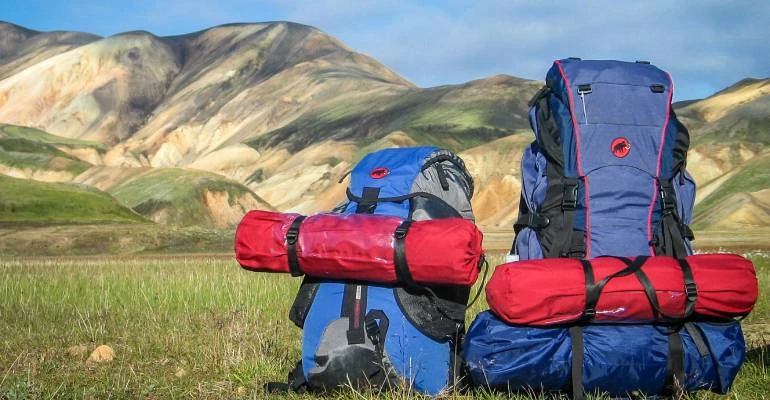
(284, 109)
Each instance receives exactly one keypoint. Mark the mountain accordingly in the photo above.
(730, 155)
(280, 107)
(192, 130)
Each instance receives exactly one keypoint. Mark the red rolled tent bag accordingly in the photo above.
(360, 247)
(609, 289)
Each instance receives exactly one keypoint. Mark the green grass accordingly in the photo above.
(28, 154)
(24, 201)
(179, 192)
(36, 135)
(29, 148)
(226, 328)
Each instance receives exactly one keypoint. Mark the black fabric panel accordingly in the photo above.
(681, 145)
(438, 314)
(433, 208)
(303, 301)
(550, 136)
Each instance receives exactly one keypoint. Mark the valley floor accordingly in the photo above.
(189, 326)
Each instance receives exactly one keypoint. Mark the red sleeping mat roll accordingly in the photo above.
(553, 291)
(361, 247)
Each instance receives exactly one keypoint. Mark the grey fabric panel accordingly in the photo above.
(339, 364)
(457, 197)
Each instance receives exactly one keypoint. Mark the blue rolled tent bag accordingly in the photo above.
(616, 359)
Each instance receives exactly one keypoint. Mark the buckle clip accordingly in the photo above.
(589, 314)
(569, 200)
(667, 198)
(402, 229)
(691, 290)
(291, 236)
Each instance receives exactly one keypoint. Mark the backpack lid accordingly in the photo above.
(581, 72)
(392, 171)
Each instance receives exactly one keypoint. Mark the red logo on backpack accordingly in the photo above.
(379, 173)
(620, 147)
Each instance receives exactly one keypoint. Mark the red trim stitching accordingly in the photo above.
(660, 157)
(576, 129)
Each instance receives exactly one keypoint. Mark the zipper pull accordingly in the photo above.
(582, 91)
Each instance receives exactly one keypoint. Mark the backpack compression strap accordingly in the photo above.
(674, 231)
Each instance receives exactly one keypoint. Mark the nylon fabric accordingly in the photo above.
(522, 292)
(617, 359)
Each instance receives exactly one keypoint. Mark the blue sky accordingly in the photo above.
(706, 45)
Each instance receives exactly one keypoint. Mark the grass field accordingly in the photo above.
(187, 326)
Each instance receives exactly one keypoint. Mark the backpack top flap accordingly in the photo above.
(619, 111)
(412, 183)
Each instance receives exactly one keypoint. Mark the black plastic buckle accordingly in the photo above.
(401, 231)
(657, 88)
(537, 221)
(584, 89)
(292, 235)
(570, 197)
(691, 290)
(667, 198)
(589, 314)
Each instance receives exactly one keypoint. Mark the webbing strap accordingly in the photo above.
(576, 371)
(569, 204)
(292, 236)
(377, 332)
(354, 308)
(592, 296)
(593, 292)
(673, 237)
(697, 338)
(589, 312)
(675, 364)
(399, 255)
(442, 176)
(368, 201)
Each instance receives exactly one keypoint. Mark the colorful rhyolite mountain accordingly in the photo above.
(198, 128)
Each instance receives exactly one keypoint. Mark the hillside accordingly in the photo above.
(729, 155)
(33, 154)
(173, 196)
(25, 201)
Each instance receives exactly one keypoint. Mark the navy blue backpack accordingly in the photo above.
(605, 177)
(606, 174)
(365, 335)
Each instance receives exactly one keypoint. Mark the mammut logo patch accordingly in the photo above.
(620, 147)
(379, 173)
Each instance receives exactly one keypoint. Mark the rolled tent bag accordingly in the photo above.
(361, 247)
(616, 359)
(611, 289)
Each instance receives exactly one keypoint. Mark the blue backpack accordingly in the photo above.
(606, 174)
(364, 335)
(605, 177)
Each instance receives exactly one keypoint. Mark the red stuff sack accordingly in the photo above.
(360, 247)
(554, 291)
